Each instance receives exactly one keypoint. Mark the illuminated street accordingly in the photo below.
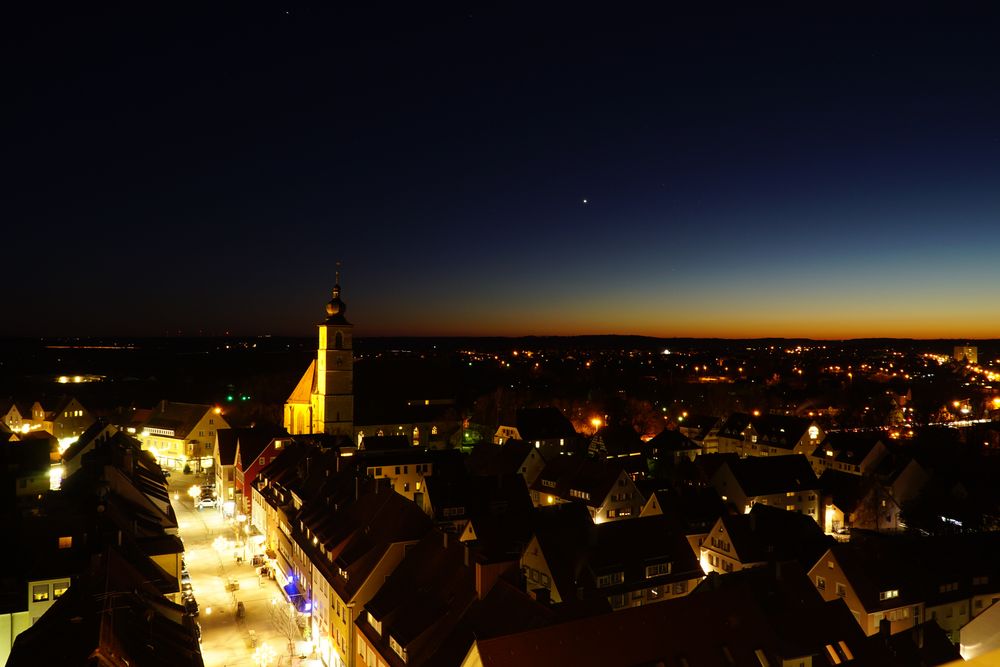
(226, 641)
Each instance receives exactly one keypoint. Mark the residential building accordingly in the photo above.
(182, 434)
(703, 430)
(764, 535)
(854, 453)
(626, 563)
(907, 580)
(513, 455)
(546, 428)
(768, 435)
(605, 488)
(786, 482)
(64, 417)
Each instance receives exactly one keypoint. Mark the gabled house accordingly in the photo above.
(12, 416)
(764, 535)
(854, 453)
(72, 457)
(224, 463)
(405, 470)
(620, 443)
(605, 488)
(906, 580)
(547, 429)
(768, 435)
(694, 508)
(518, 456)
(110, 616)
(626, 563)
(670, 447)
(63, 417)
(423, 614)
(703, 430)
(255, 448)
(26, 463)
(421, 604)
(786, 482)
(453, 501)
(182, 434)
(351, 553)
(874, 588)
(733, 624)
(842, 496)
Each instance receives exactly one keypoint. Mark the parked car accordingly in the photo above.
(205, 502)
(166, 473)
(191, 606)
(186, 590)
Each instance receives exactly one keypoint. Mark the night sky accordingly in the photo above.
(794, 170)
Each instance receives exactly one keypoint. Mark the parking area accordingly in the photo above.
(244, 617)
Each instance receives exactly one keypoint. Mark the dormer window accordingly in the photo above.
(657, 569)
(888, 595)
(376, 625)
(606, 580)
(395, 646)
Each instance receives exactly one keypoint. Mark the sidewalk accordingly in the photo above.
(225, 639)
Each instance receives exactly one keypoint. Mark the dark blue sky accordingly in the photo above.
(788, 170)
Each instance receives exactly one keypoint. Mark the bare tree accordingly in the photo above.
(285, 623)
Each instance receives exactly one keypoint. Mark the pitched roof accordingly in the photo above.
(110, 611)
(577, 473)
(225, 445)
(303, 390)
(766, 475)
(703, 424)
(669, 440)
(770, 533)
(698, 635)
(177, 417)
(473, 496)
(424, 599)
(358, 536)
(252, 441)
(543, 424)
(489, 459)
(805, 625)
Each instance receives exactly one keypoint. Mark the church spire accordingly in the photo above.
(336, 308)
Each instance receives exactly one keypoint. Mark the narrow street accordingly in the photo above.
(226, 639)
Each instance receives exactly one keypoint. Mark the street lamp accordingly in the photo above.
(194, 492)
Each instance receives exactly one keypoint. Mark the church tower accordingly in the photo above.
(328, 407)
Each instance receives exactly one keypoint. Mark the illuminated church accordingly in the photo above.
(323, 400)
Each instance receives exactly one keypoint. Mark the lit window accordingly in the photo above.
(657, 569)
(65, 542)
(887, 595)
(58, 589)
(40, 593)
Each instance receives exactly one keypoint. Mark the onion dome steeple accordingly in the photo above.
(336, 309)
